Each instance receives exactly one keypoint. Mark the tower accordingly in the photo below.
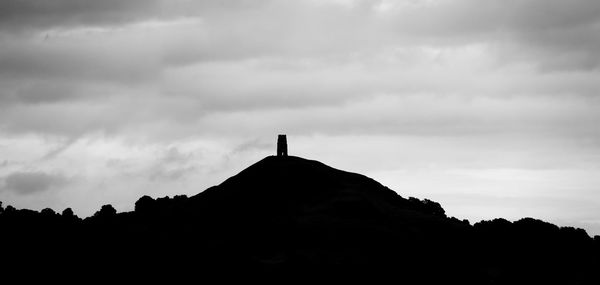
(282, 146)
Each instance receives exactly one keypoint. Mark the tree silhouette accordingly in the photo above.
(47, 212)
(106, 211)
(10, 209)
(68, 213)
(144, 204)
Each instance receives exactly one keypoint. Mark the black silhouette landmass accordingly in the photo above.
(289, 219)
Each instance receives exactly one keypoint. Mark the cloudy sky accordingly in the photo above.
(490, 107)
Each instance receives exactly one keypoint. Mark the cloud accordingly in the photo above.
(171, 174)
(275, 52)
(19, 14)
(143, 36)
(28, 183)
(23, 15)
(254, 145)
(161, 164)
(172, 165)
(549, 34)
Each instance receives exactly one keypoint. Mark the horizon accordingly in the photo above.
(131, 208)
(487, 107)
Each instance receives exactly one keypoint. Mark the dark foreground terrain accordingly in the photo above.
(289, 219)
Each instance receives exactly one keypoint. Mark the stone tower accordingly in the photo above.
(282, 145)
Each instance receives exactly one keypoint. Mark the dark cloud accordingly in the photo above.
(19, 14)
(26, 183)
(75, 62)
(553, 34)
(124, 66)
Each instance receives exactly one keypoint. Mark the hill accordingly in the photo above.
(288, 216)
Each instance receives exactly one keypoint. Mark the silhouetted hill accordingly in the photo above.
(297, 188)
(288, 217)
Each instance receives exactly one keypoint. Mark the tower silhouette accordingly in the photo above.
(282, 146)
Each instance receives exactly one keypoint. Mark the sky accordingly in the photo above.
(489, 107)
